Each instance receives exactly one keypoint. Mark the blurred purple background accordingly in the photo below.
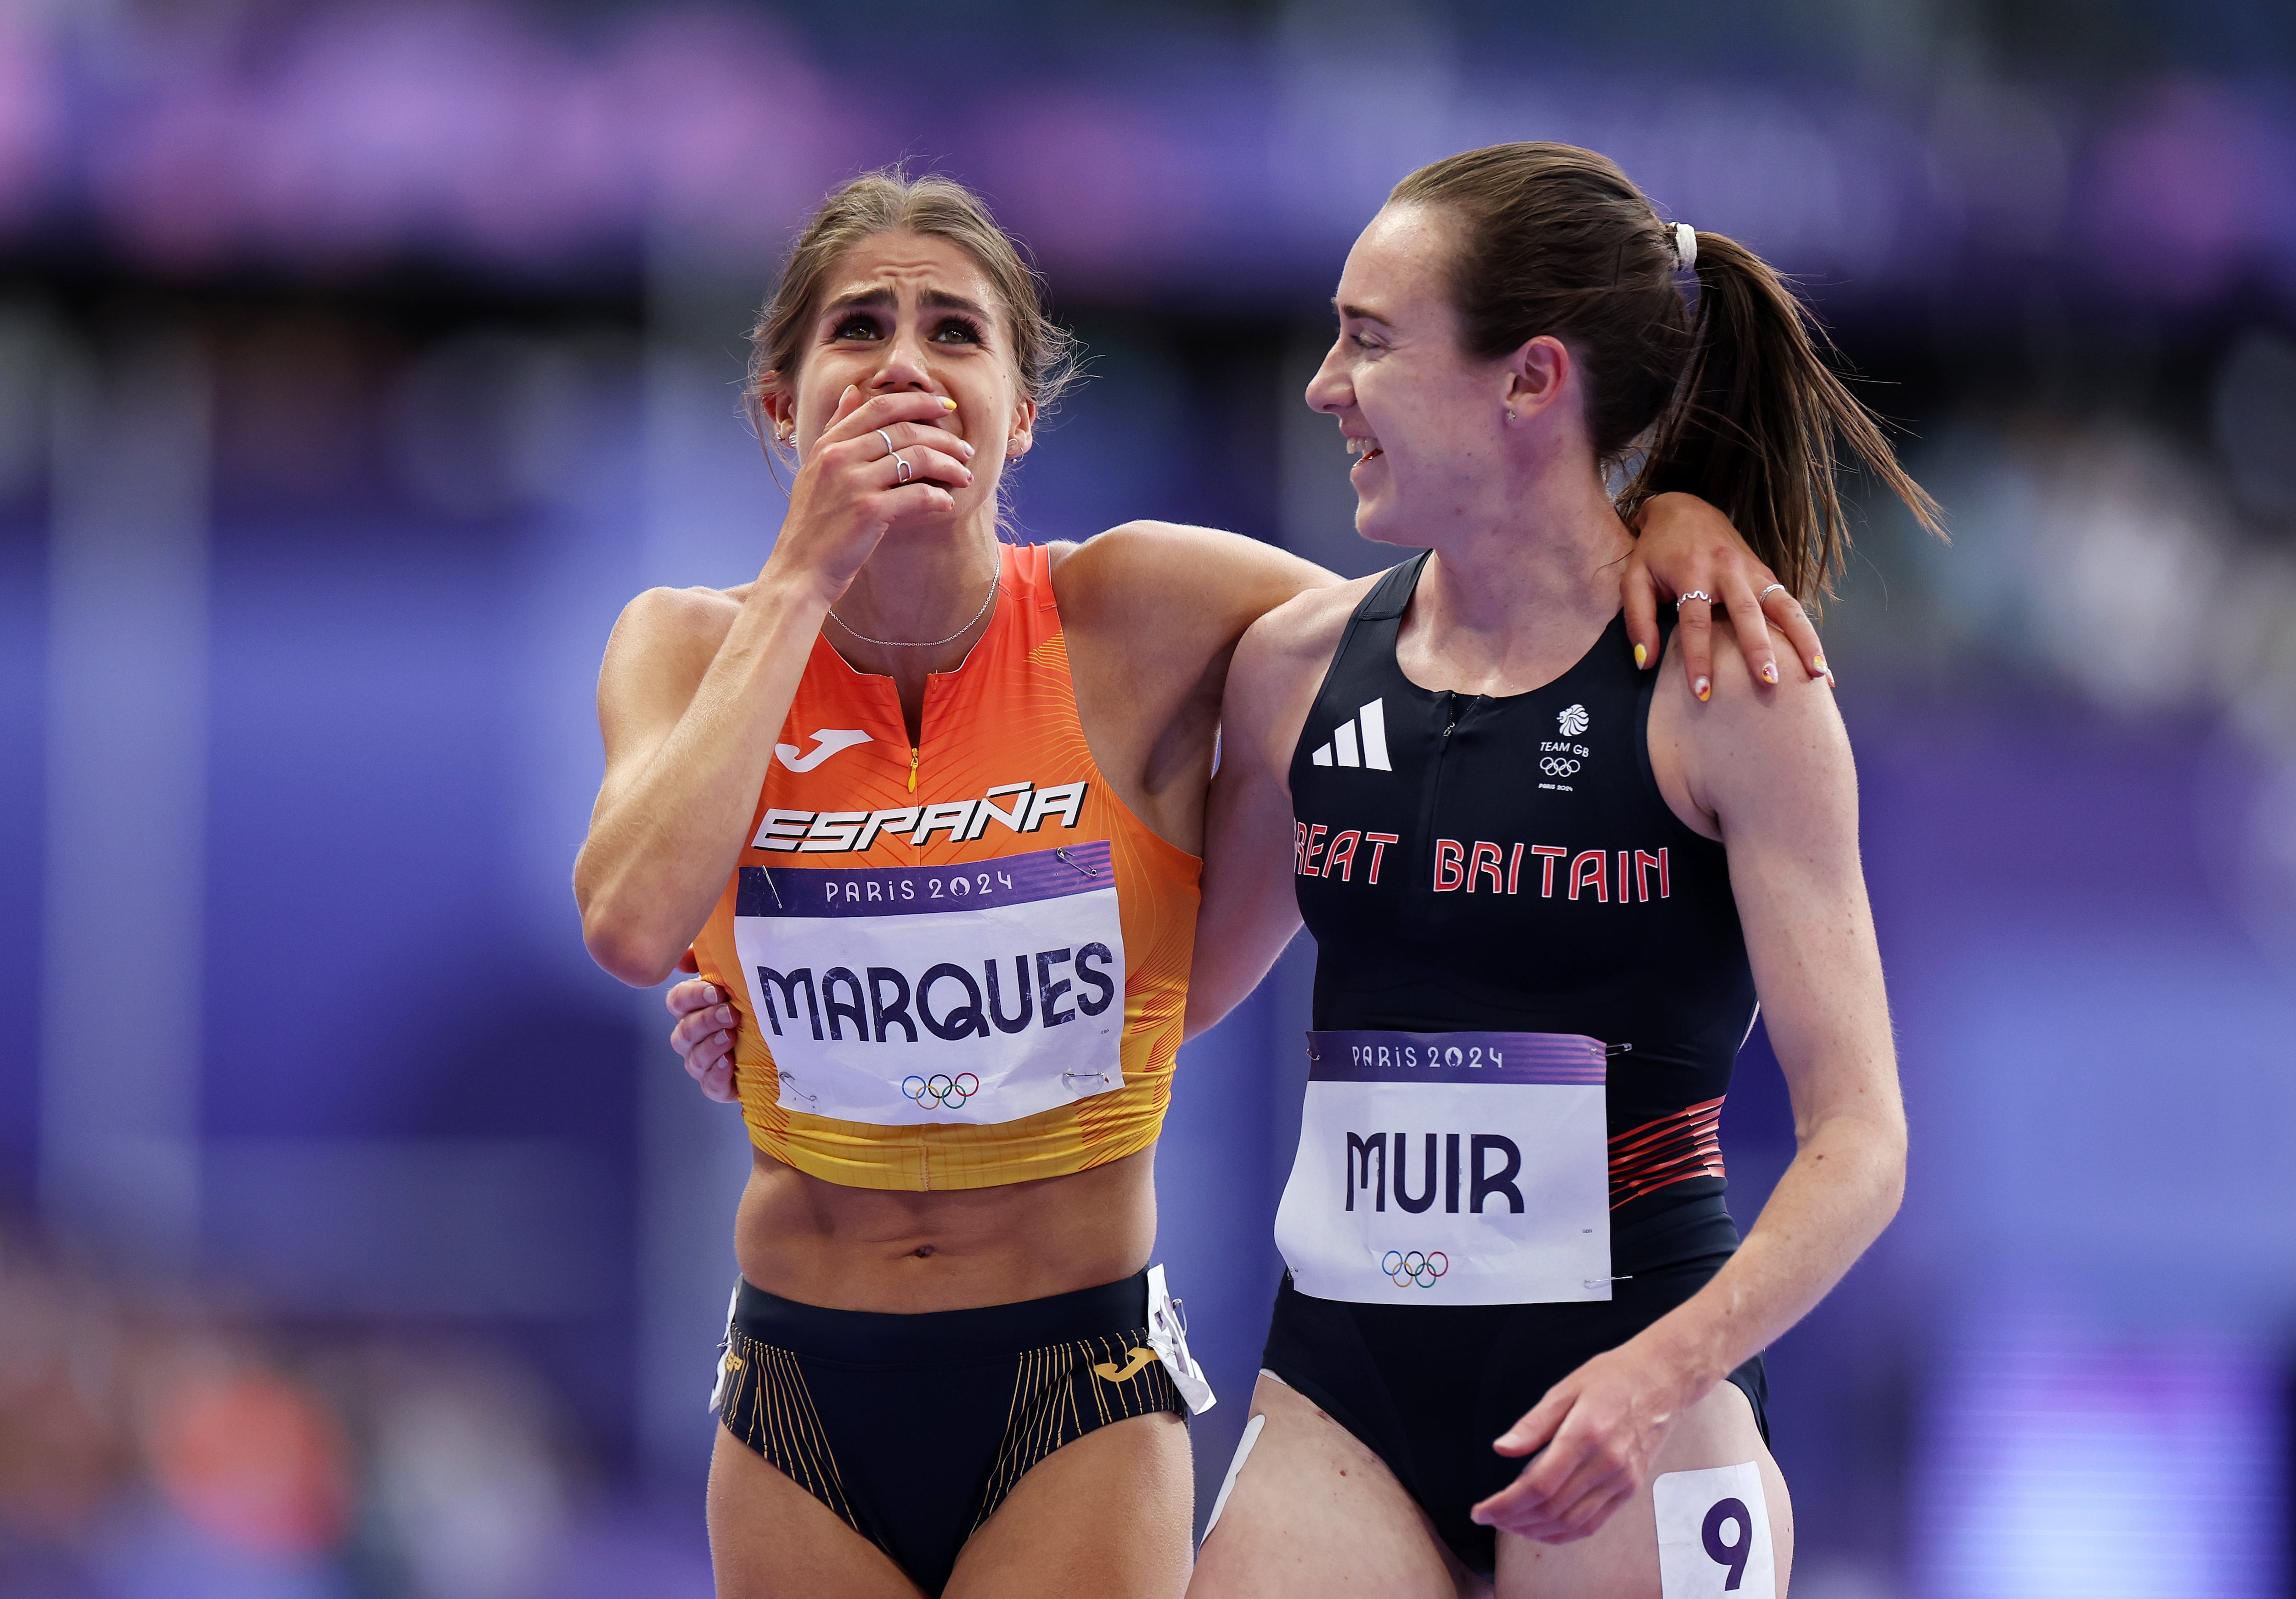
(358, 1237)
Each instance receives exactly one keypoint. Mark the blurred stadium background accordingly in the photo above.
(358, 1237)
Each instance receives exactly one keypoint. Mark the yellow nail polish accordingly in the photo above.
(1817, 664)
(1769, 671)
(1702, 688)
(947, 404)
(1642, 656)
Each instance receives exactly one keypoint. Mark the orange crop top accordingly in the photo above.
(961, 964)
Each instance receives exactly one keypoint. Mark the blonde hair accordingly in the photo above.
(889, 201)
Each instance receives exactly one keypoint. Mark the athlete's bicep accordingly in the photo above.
(1233, 581)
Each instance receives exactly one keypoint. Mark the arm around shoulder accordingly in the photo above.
(1198, 586)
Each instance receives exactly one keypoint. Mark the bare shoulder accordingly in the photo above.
(1743, 709)
(666, 635)
(662, 614)
(1754, 748)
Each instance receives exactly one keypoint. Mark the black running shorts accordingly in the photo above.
(1426, 1387)
(913, 1428)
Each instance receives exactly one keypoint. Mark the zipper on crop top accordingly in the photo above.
(915, 755)
(1454, 712)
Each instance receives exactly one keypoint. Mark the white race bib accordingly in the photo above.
(1714, 1534)
(979, 993)
(1450, 1168)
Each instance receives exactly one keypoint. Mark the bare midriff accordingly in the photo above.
(870, 1249)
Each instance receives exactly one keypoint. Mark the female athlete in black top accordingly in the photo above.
(1547, 891)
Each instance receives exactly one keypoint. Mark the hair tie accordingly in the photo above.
(1685, 246)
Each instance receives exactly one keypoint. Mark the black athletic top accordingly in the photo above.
(1468, 863)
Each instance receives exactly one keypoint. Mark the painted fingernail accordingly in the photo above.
(947, 404)
(1769, 671)
(1829, 680)
(1642, 656)
(1817, 663)
(725, 1017)
(966, 448)
(1703, 688)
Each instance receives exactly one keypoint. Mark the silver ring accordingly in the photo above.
(902, 471)
(1695, 594)
(887, 437)
(1777, 587)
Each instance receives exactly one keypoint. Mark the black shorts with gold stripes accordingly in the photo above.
(913, 1428)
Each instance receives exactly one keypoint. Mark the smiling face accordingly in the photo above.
(1424, 419)
(905, 312)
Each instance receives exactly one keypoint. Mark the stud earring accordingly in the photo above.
(1509, 414)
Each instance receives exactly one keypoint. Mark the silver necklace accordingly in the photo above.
(930, 644)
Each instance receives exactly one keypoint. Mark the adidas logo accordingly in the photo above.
(1347, 749)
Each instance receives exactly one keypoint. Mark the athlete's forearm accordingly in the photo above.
(1840, 1192)
(662, 843)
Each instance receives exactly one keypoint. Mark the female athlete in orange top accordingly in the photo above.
(945, 1372)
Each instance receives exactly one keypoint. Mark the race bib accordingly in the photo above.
(895, 995)
(1450, 1168)
(1714, 1534)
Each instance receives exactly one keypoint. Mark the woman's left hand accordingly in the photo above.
(1595, 1433)
(1685, 545)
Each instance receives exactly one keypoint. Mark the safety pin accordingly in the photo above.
(1312, 1053)
(1594, 1283)
(768, 872)
(1063, 851)
(1083, 1077)
(1617, 1049)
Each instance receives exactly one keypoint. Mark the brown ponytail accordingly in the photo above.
(1734, 403)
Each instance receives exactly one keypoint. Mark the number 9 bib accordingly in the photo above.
(1714, 1534)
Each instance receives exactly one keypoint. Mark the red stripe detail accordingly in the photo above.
(1673, 1149)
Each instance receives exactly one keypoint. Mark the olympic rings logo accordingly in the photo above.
(940, 1090)
(1559, 765)
(1415, 1268)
